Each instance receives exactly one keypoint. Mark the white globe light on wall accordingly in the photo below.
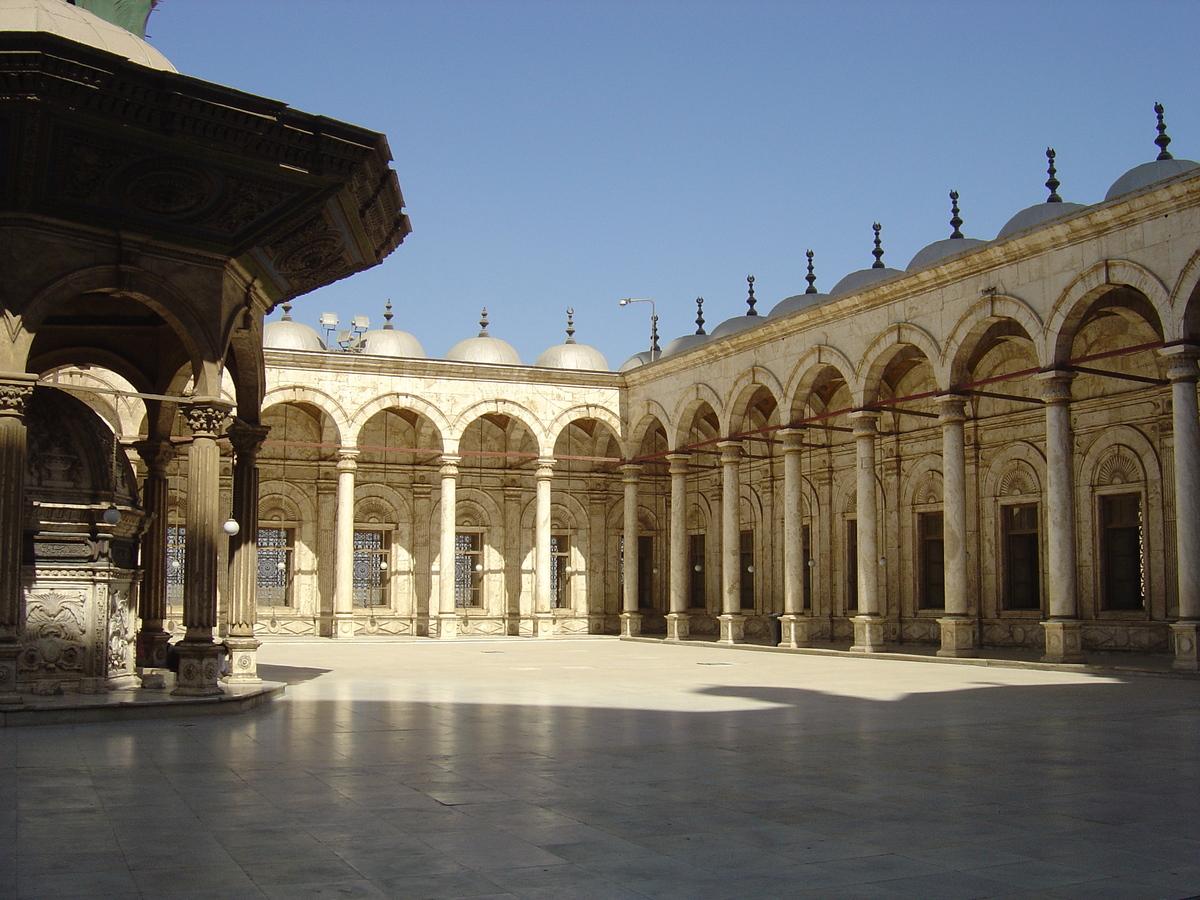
(231, 527)
(112, 515)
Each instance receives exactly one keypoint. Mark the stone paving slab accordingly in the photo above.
(620, 769)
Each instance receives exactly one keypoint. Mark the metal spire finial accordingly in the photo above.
(654, 348)
(387, 316)
(287, 312)
(1052, 183)
(570, 325)
(878, 251)
(750, 301)
(700, 316)
(1163, 139)
(955, 220)
(483, 323)
(811, 277)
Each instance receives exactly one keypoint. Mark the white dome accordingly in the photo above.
(572, 355)
(1147, 174)
(77, 24)
(856, 281)
(388, 341)
(736, 324)
(685, 342)
(287, 334)
(940, 250)
(1038, 214)
(483, 348)
(638, 360)
(795, 302)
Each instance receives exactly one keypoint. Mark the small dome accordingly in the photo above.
(1164, 167)
(1041, 213)
(685, 342)
(1147, 174)
(572, 354)
(1038, 214)
(287, 334)
(639, 359)
(388, 341)
(795, 302)
(483, 348)
(77, 24)
(940, 250)
(856, 281)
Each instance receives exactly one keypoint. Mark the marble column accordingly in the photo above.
(448, 619)
(793, 623)
(732, 622)
(1062, 629)
(152, 638)
(198, 672)
(1185, 421)
(957, 625)
(343, 540)
(15, 391)
(631, 619)
(868, 624)
(543, 615)
(247, 439)
(677, 618)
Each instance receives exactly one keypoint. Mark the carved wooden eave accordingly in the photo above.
(89, 138)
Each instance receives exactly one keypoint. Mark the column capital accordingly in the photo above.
(865, 422)
(630, 472)
(679, 462)
(156, 453)
(205, 416)
(14, 394)
(247, 439)
(952, 408)
(347, 460)
(731, 452)
(1183, 365)
(1056, 386)
(793, 439)
(545, 469)
(448, 467)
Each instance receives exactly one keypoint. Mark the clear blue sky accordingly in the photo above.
(570, 153)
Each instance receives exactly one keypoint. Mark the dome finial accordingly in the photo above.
(654, 348)
(287, 312)
(570, 325)
(387, 316)
(878, 251)
(700, 316)
(1052, 183)
(811, 277)
(750, 300)
(483, 323)
(955, 220)
(1163, 139)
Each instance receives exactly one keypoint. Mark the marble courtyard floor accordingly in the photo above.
(596, 769)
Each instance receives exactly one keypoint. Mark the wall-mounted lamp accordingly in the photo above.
(112, 515)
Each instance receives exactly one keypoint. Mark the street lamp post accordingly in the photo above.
(654, 351)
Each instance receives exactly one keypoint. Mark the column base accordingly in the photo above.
(1185, 637)
(958, 636)
(543, 625)
(1064, 641)
(9, 651)
(243, 660)
(448, 626)
(343, 626)
(868, 634)
(631, 624)
(152, 648)
(198, 671)
(793, 631)
(733, 629)
(678, 626)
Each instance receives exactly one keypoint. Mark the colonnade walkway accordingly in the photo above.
(598, 769)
